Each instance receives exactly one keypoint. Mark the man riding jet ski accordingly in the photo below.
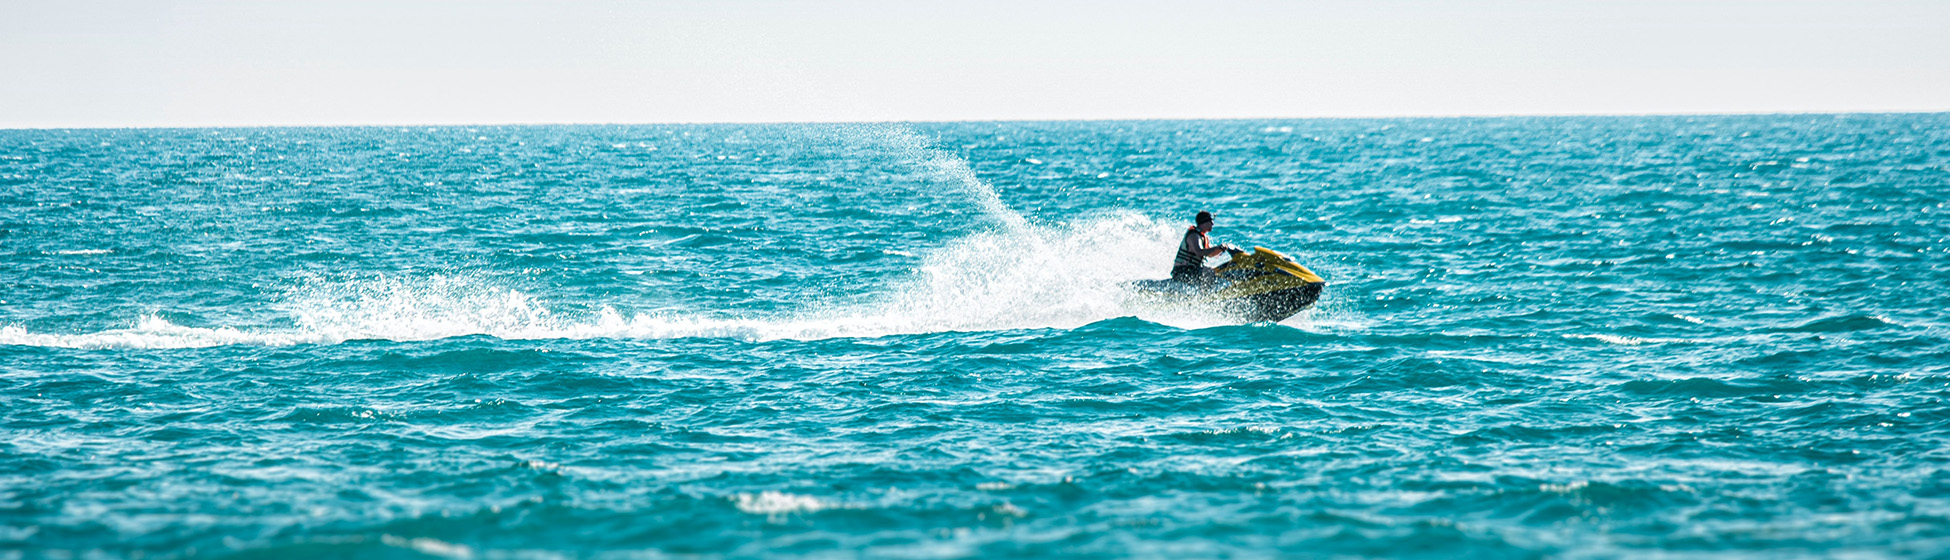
(1189, 265)
(1262, 285)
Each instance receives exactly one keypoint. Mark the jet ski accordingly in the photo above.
(1259, 286)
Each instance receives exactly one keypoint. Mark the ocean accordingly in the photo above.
(1683, 336)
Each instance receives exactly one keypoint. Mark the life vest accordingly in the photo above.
(1191, 253)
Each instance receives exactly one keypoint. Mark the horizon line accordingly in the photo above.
(998, 120)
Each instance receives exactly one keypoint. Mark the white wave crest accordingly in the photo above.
(156, 332)
(1627, 340)
(772, 502)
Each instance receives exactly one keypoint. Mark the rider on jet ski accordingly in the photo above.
(1189, 266)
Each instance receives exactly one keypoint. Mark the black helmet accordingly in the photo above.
(1204, 217)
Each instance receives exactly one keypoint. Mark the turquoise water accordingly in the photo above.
(1696, 336)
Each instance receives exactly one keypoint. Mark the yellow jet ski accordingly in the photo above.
(1263, 285)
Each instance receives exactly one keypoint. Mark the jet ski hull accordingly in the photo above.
(1277, 305)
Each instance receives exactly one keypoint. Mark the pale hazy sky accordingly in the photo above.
(268, 62)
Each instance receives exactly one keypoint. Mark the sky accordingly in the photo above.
(116, 63)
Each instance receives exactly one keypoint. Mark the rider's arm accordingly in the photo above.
(1220, 250)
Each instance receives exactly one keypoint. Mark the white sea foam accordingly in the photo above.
(430, 546)
(156, 332)
(772, 502)
(420, 308)
(1024, 277)
(1627, 340)
(1010, 278)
